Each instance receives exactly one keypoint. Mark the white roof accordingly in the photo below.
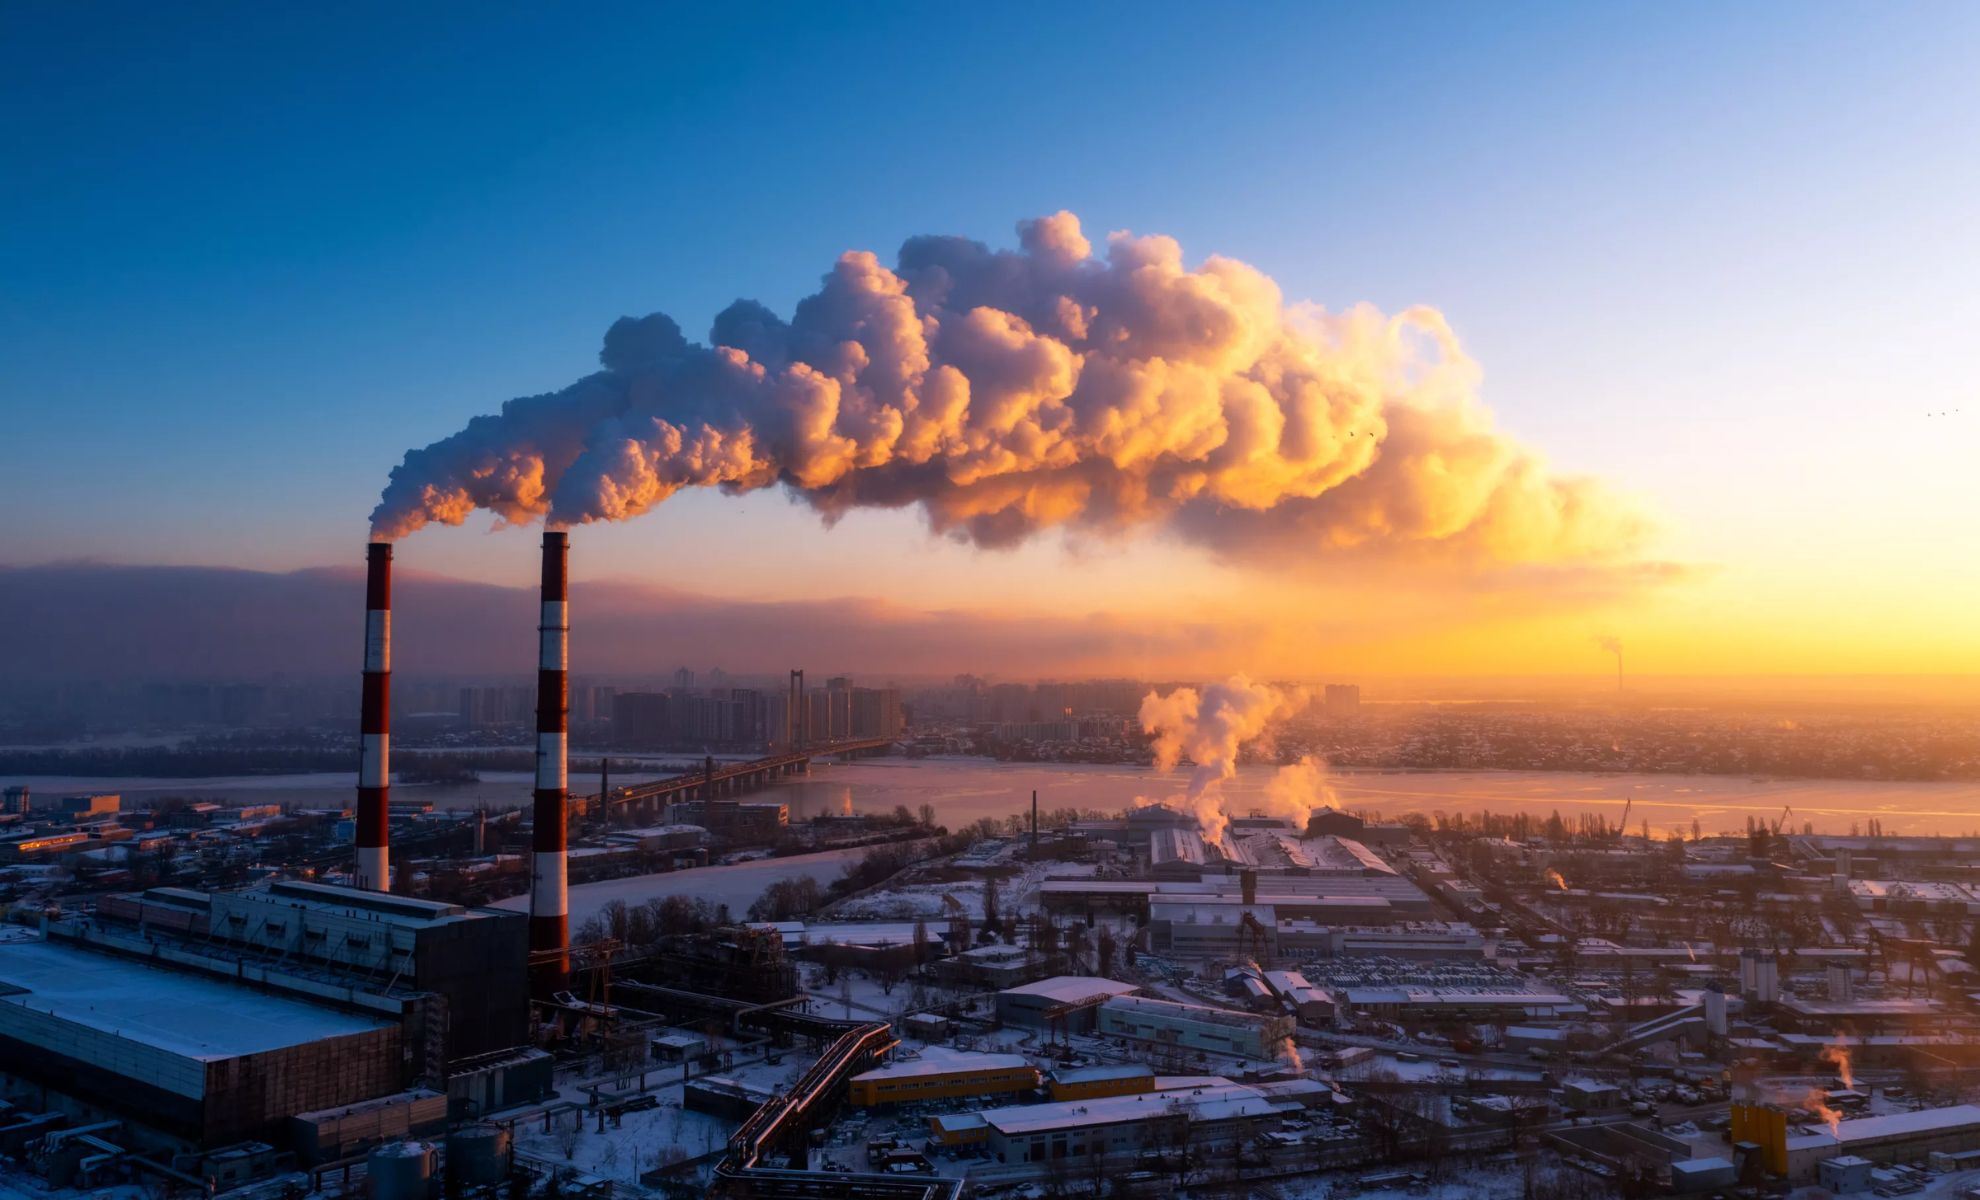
(1066, 989)
(940, 1060)
(1211, 1103)
(1905, 1124)
(192, 1016)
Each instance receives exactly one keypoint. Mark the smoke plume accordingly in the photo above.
(1208, 728)
(1838, 1055)
(1005, 392)
(1296, 790)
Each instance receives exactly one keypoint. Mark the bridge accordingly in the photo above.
(719, 780)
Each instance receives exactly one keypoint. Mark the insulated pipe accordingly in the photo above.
(549, 902)
(375, 725)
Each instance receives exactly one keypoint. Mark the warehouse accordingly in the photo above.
(1194, 1026)
(1308, 1004)
(1218, 1113)
(1490, 1005)
(200, 1060)
(1108, 1079)
(943, 1074)
(1072, 998)
(1897, 1138)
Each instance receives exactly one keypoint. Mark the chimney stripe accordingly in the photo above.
(373, 866)
(549, 901)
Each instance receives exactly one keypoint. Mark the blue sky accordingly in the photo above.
(1718, 254)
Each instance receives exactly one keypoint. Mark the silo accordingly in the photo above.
(401, 1171)
(478, 1155)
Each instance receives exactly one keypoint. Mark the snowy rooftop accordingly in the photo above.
(1067, 989)
(939, 1060)
(1104, 1071)
(1212, 1103)
(1450, 995)
(1896, 1125)
(187, 1015)
(1172, 1010)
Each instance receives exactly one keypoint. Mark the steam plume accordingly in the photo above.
(1296, 790)
(1208, 728)
(1005, 392)
(1613, 645)
(1838, 1055)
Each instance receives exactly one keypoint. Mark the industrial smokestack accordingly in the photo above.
(549, 903)
(374, 867)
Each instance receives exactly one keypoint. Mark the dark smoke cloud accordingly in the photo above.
(1006, 392)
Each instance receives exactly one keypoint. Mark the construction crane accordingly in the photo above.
(1255, 938)
(1782, 819)
(1622, 828)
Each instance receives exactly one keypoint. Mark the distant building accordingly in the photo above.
(1343, 699)
(640, 718)
(87, 804)
(876, 712)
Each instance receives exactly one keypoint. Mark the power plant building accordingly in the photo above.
(195, 1058)
(453, 974)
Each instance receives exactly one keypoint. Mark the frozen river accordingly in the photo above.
(967, 789)
(964, 789)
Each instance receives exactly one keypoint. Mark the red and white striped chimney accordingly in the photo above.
(375, 725)
(549, 905)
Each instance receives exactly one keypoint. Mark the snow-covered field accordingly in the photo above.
(736, 885)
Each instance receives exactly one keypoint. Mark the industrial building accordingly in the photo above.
(943, 1074)
(1494, 1005)
(1068, 999)
(1308, 1005)
(1091, 1083)
(454, 972)
(1216, 1113)
(194, 1058)
(1897, 1138)
(1194, 1026)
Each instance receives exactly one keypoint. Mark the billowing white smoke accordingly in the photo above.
(1296, 790)
(1209, 728)
(1010, 391)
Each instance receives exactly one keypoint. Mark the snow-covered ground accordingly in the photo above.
(736, 885)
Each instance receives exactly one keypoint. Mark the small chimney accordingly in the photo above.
(1034, 824)
(549, 900)
(374, 822)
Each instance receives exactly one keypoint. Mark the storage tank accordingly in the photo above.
(477, 1155)
(401, 1171)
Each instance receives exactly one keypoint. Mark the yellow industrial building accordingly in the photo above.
(940, 1074)
(1093, 1083)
